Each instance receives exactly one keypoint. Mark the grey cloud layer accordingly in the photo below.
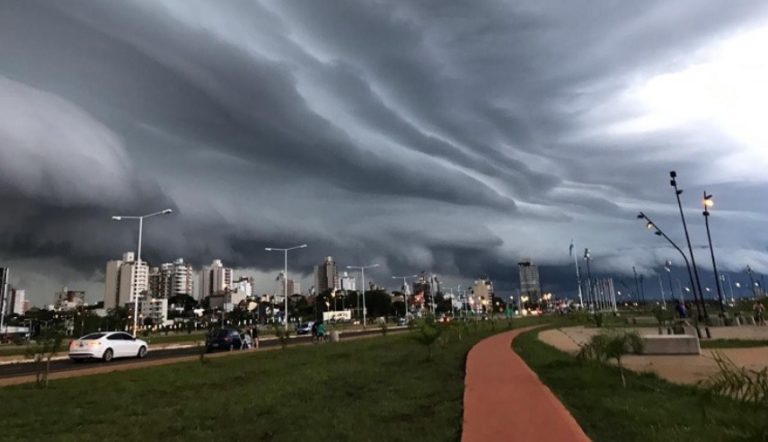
(442, 135)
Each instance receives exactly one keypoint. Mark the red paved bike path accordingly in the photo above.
(505, 401)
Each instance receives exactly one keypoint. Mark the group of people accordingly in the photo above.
(318, 332)
(758, 308)
(250, 338)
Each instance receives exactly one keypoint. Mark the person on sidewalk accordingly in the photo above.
(759, 309)
(255, 336)
(320, 332)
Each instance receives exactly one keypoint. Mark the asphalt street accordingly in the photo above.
(28, 368)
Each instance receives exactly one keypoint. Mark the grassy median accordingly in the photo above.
(648, 409)
(377, 389)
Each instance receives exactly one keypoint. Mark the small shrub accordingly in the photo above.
(427, 333)
(598, 319)
(606, 346)
(46, 345)
(282, 334)
(742, 384)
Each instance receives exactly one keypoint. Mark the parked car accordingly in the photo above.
(107, 346)
(223, 339)
(305, 328)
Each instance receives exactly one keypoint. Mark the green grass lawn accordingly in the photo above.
(649, 409)
(377, 389)
(733, 343)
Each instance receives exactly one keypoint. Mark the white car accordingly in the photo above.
(107, 346)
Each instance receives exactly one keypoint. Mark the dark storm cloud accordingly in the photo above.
(447, 136)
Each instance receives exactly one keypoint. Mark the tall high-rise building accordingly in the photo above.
(112, 284)
(326, 275)
(5, 288)
(294, 287)
(171, 279)
(14, 302)
(69, 299)
(124, 280)
(215, 279)
(243, 286)
(347, 282)
(529, 279)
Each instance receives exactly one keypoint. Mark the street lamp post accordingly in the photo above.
(138, 255)
(637, 285)
(725, 278)
(285, 277)
(668, 268)
(707, 204)
(578, 276)
(405, 290)
(752, 283)
(673, 183)
(651, 225)
(362, 275)
(590, 293)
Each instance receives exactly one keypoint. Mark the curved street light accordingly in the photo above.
(658, 232)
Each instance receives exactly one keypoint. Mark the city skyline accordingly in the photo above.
(478, 135)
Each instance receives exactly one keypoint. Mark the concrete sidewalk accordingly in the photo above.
(505, 401)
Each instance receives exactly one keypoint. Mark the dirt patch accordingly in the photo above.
(678, 369)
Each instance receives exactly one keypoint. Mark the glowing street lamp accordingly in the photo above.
(708, 202)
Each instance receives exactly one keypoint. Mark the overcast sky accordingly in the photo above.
(454, 137)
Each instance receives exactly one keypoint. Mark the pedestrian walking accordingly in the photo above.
(320, 332)
(314, 331)
(759, 309)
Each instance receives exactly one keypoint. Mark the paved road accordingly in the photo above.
(27, 368)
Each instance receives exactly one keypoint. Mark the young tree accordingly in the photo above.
(46, 345)
(606, 346)
(427, 333)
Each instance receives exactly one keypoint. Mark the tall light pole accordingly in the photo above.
(405, 291)
(723, 278)
(138, 255)
(673, 183)
(668, 268)
(578, 276)
(752, 282)
(637, 285)
(285, 277)
(590, 293)
(707, 204)
(658, 232)
(362, 275)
